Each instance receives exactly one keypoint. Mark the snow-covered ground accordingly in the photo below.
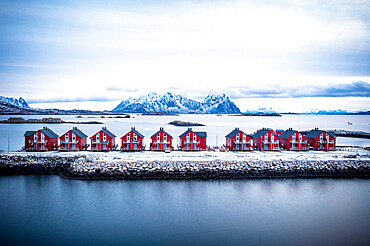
(353, 153)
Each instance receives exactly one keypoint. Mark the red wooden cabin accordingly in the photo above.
(41, 140)
(238, 140)
(161, 140)
(321, 140)
(191, 140)
(103, 140)
(293, 140)
(266, 139)
(73, 140)
(132, 141)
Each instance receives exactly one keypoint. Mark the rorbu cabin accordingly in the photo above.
(103, 140)
(293, 140)
(132, 141)
(191, 140)
(73, 140)
(161, 141)
(321, 140)
(266, 139)
(42, 140)
(237, 140)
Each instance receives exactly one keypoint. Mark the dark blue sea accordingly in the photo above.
(49, 210)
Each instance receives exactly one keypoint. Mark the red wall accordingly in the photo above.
(285, 143)
(81, 142)
(326, 146)
(202, 145)
(258, 142)
(109, 145)
(139, 142)
(153, 145)
(51, 143)
(232, 146)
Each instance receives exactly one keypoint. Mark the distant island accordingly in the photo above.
(160, 113)
(184, 123)
(20, 120)
(258, 114)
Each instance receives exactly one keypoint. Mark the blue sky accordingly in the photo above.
(288, 55)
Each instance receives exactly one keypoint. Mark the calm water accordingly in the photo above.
(38, 210)
(216, 126)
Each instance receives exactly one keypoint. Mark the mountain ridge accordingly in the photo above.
(169, 103)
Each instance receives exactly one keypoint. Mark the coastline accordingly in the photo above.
(84, 167)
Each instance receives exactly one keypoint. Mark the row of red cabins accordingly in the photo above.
(264, 139)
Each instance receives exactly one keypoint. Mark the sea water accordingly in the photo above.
(49, 210)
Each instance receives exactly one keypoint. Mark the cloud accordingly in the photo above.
(116, 88)
(355, 89)
(76, 99)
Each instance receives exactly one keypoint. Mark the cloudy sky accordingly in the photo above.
(289, 55)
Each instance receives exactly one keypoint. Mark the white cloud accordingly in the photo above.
(210, 46)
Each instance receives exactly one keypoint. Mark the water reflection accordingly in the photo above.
(51, 210)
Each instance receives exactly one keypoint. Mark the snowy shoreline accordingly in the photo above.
(189, 165)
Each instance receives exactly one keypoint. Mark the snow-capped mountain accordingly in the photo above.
(153, 102)
(16, 102)
(261, 110)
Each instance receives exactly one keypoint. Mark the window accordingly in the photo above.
(320, 136)
(97, 138)
(67, 136)
(194, 138)
(42, 137)
(272, 138)
(188, 137)
(35, 137)
(266, 137)
(165, 146)
(158, 146)
(164, 137)
(73, 137)
(128, 138)
(158, 138)
(104, 137)
(135, 137)
(237, 137)
(244, 138)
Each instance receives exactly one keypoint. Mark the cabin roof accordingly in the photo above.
(48, 132)
(78, 132)
(200, 134)
(161, 130)
(315, 133)
(135, 131)
(104, 129)
(260, 133)
(233, 133)
(29, 133)
(286, 134)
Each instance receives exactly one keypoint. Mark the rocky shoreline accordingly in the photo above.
(92, 168)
